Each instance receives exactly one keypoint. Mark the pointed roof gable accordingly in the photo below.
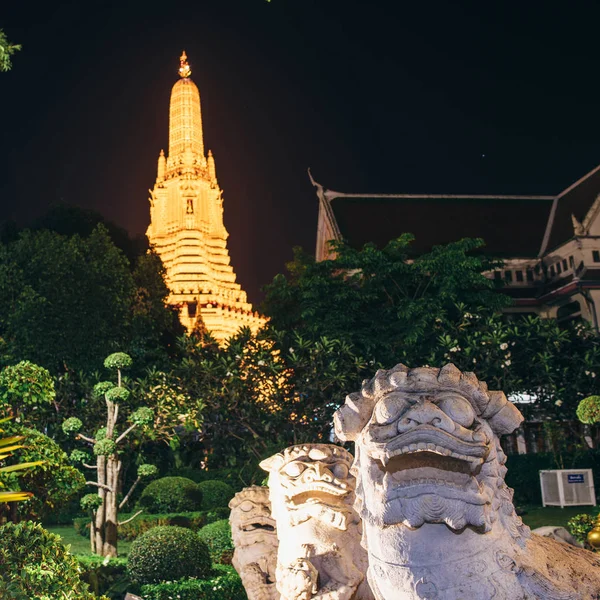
(576, 200)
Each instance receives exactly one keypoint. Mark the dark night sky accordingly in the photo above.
(373, 96)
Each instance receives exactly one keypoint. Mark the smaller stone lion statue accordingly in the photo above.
(255, 540)
(438, 517)
(312, 493)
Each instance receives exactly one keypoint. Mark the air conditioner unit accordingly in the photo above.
(567, 487)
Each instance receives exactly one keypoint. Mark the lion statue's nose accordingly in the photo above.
(425, 413)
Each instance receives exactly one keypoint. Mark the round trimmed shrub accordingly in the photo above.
(35, 564)
(217, 537)
(168, 554)
(215, 494)
(171, 495)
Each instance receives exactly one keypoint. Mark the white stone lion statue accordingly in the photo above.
(438, 518)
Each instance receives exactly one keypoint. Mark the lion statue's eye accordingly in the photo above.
(340, 470)
(293, 469)
(246, 506)
(390, 408)
(458, 409)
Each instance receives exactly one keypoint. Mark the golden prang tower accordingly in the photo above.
(186, 224)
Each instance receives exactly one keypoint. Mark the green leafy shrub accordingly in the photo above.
(215, 493)
(72, 424)
(579, 527)
(224, 584)
(54, 483)
(217, 537)
(166, 554)
(133, 529)
(35, 564)
(105, 577)
(170, 495)
(118, 360)
(588, 410)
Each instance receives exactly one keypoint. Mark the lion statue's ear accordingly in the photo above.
(273, 463)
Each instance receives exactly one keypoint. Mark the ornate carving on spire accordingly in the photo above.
(162, 161)
(184, 68)
(212, 172)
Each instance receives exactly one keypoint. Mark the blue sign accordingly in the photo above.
(576, 477)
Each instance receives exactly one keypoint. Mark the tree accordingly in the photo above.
(433, 309)
(266, 391)
(68, 301)
(6, 51)
(389, 305)
(107, 444)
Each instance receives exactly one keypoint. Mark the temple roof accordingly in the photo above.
(510, 225)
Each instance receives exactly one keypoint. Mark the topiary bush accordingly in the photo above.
(35, 564)
(133, 529)
(167, 554)
(215, 493)
(217, 537)
(588, 410)
(579, 527)
(171, 495)
(224, 584)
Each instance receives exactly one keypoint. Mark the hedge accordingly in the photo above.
(217, 536)
(168, 552)
(170, 494)
(142, 523)
(105, 578)
(35, 564)
(224, 584)
(524, 472)
(215, 494)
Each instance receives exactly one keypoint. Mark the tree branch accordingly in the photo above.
(89, 466)
(134, 485)
(125, 433)
(130, 518)
(80, 436)
(100, 485)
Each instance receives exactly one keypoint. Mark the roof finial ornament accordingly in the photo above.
(184, 68)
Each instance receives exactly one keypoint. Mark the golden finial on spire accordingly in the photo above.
(184, 68)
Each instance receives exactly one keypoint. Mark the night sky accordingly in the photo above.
(446, 97)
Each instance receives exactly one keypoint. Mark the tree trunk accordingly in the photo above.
(98, 544)
(111, 515)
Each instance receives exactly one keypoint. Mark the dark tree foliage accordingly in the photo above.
(68, 301)
(389, 306)
(70, 220)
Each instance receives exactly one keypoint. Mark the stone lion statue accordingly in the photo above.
(255, 540)
(312, 496)
(438, 518)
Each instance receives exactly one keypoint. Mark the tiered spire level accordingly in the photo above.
(186, 223)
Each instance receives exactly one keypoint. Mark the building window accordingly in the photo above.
(596, 255)
(519, 275)
(190, 206)
(537, 269)
(497, 275)
(508, 276)
(571, 262)
(564, 263)
(530, 275)
(552, 273)
(558, 268)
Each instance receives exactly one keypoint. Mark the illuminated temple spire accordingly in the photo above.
(186, 224)
(185, 119)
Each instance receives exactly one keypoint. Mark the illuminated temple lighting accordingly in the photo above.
(186, 224)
